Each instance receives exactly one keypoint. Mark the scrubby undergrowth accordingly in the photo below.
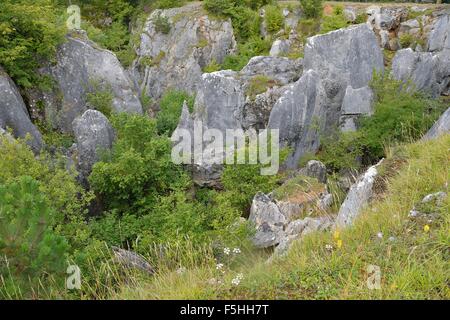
(412, 253)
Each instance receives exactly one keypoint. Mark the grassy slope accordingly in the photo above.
(414, 265)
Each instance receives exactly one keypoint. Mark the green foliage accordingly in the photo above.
(242, 181)
(406, 40)
(401, 115)
(312, 8)
(246, 23)
(29, 248)
(55, 182)
(274, 18)
(162, 24)
(253, 47)
(259, 84)
(30, 32)
(212, 67)
(167, 4)
(335, 21)
(139, 167)
(100, 99)
(341, 150)
(115, 38)
(171, 105)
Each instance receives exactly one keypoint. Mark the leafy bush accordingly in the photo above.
(139, 167)
(253, 47)
(406, 40)
(246, 23)
(274, 18)
(335, 21)
(167, 4)
(401, 115)
(162, 24)
(100, 99)
(29, 248)
(171, 105)
(30, 32)
(56, 183)
(312, 8)
(259, 84)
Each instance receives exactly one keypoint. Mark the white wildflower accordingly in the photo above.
(236, 250)
(380, 235)
(219, 266)
(329, 247)
(181, 270)
(227, 251)
(235, 282)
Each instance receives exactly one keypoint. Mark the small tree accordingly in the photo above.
(29, 247)
(312, 8)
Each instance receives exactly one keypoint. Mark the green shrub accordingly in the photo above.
(406, 40)
(162, 24)
(259, 84)
(212, 67)
(274, 18)
(167, 4)
(312, 8)
(253, 47)
(171, 105)
(246, 23)
(335, 21)
(29, 248)
(218, 7)
(400, 115)
(30, 33)
(56, 183)
(139, 167)
(100, 99)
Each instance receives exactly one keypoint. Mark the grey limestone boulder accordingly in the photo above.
(81, 68)
(442, 126)
(14, 114)
(93, 134)
(357, 198)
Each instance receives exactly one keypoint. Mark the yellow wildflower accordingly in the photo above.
(339, 243)
(336, 235)
(426, 228)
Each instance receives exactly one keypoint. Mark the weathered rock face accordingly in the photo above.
(429, 72)
(80, 65)
(93, 134)
(178, 56)
(132, 260)
(298, 114)
(442, 126)
(357, 102)
(274, 227)
(385, 22)
(222, 103)
(281, 70)
(345, 60)
(439, 38)
(280, 47)
(347, 56)
(283, 215)
(315, 169)
(14, 114)
(358, 197)
(219, 98)
(268, 220)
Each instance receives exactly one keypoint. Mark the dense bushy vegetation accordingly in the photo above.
(30, 32)
(401, 115)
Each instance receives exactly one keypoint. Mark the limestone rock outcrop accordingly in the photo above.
(14, 114)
